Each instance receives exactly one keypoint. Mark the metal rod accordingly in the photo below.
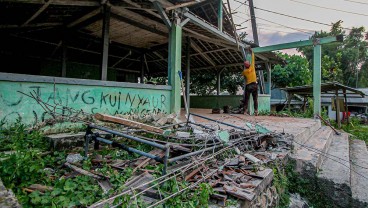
(154, 144)
(220, 122)
(174, 159)
(201, 125)
(129, 149)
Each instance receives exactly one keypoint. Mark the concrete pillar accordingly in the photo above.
(317, 80)
(219, 15)
(187, 75)
(175, 42)
(105, 41)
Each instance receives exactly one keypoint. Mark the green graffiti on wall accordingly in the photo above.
(90, 99)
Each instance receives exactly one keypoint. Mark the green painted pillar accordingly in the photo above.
(175, 42)
(317, 80)
(219, 15)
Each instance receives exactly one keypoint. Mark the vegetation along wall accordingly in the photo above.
(91, 96)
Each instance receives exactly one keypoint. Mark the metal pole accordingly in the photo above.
(166, 159)
(174, 159)
(317, 79)
(129, 149)
(105, 41)
(220, 122)
(254, 24)
(154, 144)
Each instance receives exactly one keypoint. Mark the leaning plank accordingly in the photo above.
(134, 124)
(102, 181)
(83, 172)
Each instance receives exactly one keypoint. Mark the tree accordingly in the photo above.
(296, 72)
(342, 62)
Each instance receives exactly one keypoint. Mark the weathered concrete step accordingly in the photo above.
(359, 173)
(334, 175)
(309, 156)
(306, 133)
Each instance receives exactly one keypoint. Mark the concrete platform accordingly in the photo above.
(295, 126)
(359, 173)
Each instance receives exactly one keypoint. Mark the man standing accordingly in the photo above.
(251, 86)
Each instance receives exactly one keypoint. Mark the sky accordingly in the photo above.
(274, 28)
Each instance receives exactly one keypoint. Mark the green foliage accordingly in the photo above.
(358, 130)
(295, 73)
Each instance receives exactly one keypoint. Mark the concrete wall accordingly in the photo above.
(213, 101)
(90, 95)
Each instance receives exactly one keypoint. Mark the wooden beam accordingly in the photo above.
(31, 25)
(57, 2)
(199, 50)
(139, 21)
(85, 17)
(126, 122)
(39, 11)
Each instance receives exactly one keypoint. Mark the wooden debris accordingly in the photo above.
(144, 161)
(102, 180)
(239, 193)
(134, 124)
(193, 173)
(38, 187)
(221, 199)
(252, 158)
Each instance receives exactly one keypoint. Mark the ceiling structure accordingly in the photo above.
(40, 28)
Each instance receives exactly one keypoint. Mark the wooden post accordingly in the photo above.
(105, 41)
(142, 69)
(289, 101)
(338, 110)
(346, 106)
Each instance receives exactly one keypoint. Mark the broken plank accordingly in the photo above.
(115, 119)
(239, 193)
(41, 188)
(193, 173)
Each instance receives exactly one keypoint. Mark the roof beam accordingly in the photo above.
(298, 44)
(139, 25)
(36, 14)
(195, 20)
(56, 2)
(85, 17)
(31, 25)
(218, 66)
(199, 50)
(162, 13)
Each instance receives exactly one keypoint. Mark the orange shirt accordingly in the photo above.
(250, 73)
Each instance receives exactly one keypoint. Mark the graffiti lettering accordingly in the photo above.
(89, 99)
